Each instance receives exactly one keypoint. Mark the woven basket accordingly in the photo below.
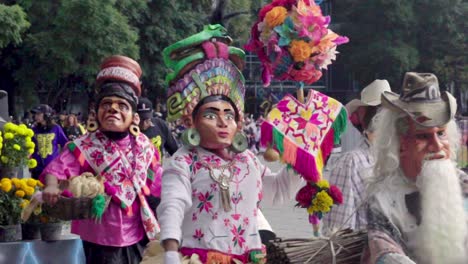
(71, 208)
(346, 246)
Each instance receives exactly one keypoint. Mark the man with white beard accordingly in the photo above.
(416, 212)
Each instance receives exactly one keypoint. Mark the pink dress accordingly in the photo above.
(116, 228)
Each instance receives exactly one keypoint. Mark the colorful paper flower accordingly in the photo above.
(292, 41)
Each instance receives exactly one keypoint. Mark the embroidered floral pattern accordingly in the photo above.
(205, 203)
(238, 235)
(198, 234)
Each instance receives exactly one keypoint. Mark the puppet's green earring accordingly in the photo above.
(239, 143)
(191, 137)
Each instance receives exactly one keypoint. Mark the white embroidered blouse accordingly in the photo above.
(191, 210)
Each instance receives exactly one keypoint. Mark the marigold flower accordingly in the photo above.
(32, 163)
(4, 159)
(31, 151)
(276, 16)
(9, 135)
(29, 190)
(300, 50)
(19, 193)
(31, 182)
(321, 203)
(16, 182)
(6, 186)
(30, 145)
(323, 184)
(17, 147)
(10, 127)
(40, 184)
(24, 203)
(29, 133)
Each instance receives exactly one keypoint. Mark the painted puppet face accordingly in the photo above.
(420, 144)
(115, 114)
(216, 123)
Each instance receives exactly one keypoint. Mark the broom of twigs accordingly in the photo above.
(344, 246)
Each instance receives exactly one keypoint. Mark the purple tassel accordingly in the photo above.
(67, 193)
(305, 165)
(313, 219)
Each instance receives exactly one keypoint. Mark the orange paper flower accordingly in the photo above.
(276, 16)
(300, 50)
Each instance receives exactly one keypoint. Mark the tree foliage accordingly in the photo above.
(389, 38)
(13, 23)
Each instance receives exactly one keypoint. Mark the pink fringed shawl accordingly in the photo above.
(304, 134)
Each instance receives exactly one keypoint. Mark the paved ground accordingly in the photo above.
(286, 220)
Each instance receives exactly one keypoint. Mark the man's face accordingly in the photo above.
(420, 144)
(216, 123)
(62, 117)
(114, 114)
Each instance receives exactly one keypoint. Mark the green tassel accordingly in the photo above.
(122, 204)
(278, 140)
(99, 205)
(339, 126)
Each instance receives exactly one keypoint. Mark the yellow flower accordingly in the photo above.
(276, 16)
(321, 203)
(17, 147)
(32, 163)
(16, 182)
(29, 190)
(6, 180)
(300, 50)
(30, 144)
(9, 135)
(323, 184)
(24, 203)
(31, 182)
(38, 210)
(4, 159)
(6, 186)
(10, 127)
(21, 131)
(40, 184)
(29, 133)
(19, 193)
(31, 151)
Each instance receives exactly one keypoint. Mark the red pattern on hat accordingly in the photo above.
(120, 68)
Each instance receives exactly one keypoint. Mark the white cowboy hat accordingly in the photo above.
(370, 95)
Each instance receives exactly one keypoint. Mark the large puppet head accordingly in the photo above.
(206, 87)
(416, 139)
(118, 85)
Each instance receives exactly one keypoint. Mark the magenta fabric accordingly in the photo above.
(116, 229)
(203, 254)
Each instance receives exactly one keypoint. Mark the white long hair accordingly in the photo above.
(386, 145)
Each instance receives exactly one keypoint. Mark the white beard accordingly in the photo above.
(442, 234)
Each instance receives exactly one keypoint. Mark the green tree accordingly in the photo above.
(388, 38)
(13, 23)
(65, 53)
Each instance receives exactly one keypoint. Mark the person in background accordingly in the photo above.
(348, 170)
(62, 119)
(72, 128)
(415, 210)
(49, 138)
(155, 128)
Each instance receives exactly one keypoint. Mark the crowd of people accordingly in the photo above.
(400, 182)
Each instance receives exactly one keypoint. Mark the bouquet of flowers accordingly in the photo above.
(15, 195)
(293, 42)
(16, 146)
(318, 198)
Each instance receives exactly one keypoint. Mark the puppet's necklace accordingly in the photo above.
(223, 179)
